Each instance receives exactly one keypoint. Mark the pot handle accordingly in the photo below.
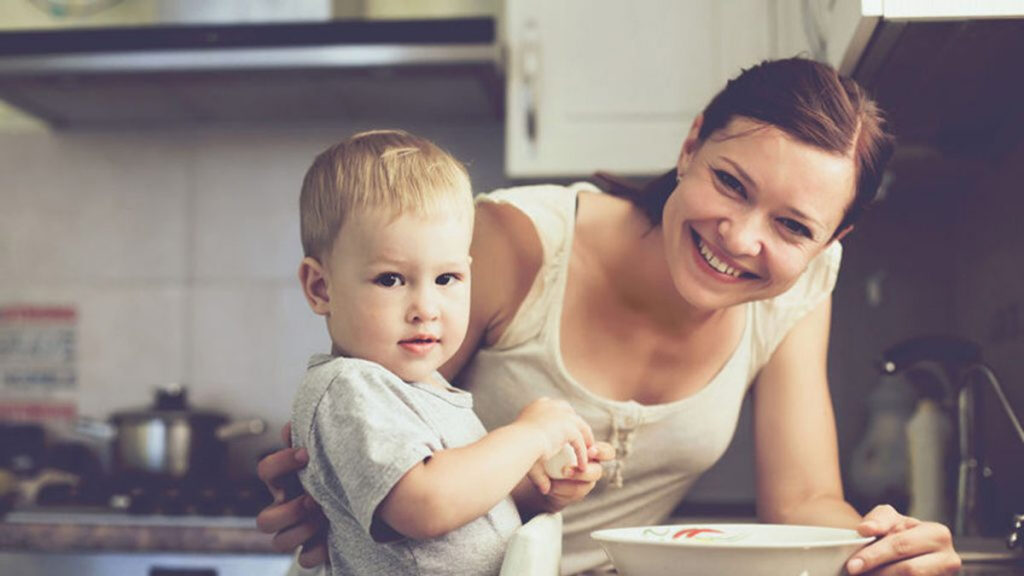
(252, 427)
(96, 429)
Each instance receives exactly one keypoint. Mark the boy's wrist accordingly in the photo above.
(532, 435)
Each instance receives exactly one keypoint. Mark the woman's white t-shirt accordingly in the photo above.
(661, 449)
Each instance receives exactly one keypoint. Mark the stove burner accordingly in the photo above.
(244, 498)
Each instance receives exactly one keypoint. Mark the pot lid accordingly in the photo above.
(170, 401)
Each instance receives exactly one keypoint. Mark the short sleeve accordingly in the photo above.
(363, 437)
(552, 211)
(775, 317)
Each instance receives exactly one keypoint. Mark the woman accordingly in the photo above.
(653, 312)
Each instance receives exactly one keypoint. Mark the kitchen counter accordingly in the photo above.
(988, 557)
(991, 570)
(62, 532)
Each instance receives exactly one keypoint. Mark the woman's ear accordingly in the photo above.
(313, 278)
(690, 145)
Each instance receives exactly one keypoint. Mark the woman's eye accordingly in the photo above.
(389, 280)
(730, 182)
(446, 279)
(796, 227)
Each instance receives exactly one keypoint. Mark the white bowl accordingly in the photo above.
(728, 549)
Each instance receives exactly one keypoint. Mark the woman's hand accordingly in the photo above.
(905, 545)
(297, 521)
(560, 493)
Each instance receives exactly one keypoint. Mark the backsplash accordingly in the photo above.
(179, 250)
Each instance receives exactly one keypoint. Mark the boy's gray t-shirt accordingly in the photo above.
(364, 428)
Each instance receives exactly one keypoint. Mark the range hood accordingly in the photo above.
(951, 82)
(171, 75)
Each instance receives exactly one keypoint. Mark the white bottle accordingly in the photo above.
(929, 432)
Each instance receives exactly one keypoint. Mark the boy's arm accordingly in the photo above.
(455, 486)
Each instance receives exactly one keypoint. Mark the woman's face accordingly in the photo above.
(752, 207)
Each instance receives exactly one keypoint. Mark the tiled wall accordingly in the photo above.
(179, 250)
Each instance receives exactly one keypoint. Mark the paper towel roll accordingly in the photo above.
(929, 432)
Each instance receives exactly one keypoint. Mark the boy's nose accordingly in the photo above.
(424, 307)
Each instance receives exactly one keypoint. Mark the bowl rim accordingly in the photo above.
(611, 536)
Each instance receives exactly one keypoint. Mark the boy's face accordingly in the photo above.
(398, 290)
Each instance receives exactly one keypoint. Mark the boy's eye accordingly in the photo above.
(730, 182)
(446, 279)
(795, 227)
(389, 279)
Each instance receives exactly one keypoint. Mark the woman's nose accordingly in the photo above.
(424, 306)
(743, 234)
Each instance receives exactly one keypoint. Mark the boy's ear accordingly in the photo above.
(313, 278)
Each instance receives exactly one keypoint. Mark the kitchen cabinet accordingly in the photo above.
(600, 84)
(843, 29)
(837, 30)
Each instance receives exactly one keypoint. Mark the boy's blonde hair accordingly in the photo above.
(388, 170)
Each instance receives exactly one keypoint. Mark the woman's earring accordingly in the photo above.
(679, 177)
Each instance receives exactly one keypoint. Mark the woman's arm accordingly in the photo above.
(798, 480)
(797, 455)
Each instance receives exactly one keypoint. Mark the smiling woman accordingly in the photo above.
(748, 215)
(654, 311)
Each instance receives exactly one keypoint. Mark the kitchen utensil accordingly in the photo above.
(748, 549)
(170, 441)
(22, 446)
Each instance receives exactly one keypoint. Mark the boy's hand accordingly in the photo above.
(560, 493)
(558, 424)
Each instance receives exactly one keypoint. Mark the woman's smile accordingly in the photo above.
(722, 267)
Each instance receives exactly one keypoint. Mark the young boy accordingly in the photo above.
(408, 478)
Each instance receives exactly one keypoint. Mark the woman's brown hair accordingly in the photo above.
(808, 100)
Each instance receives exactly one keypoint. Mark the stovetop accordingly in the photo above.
(113, 501)
(92, 515)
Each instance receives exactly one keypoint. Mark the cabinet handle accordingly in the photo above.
(168, 571)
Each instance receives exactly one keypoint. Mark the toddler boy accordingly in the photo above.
(407, 476)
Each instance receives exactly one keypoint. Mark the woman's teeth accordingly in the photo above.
(716, 263)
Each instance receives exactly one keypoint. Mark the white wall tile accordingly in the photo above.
(247, 203)
(21, 161)
(98, 207)
(250, 345)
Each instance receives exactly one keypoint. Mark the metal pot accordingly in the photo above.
(170, 441)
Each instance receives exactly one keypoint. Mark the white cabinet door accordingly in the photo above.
(613, 85)
(843, 28)
(795, 30)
